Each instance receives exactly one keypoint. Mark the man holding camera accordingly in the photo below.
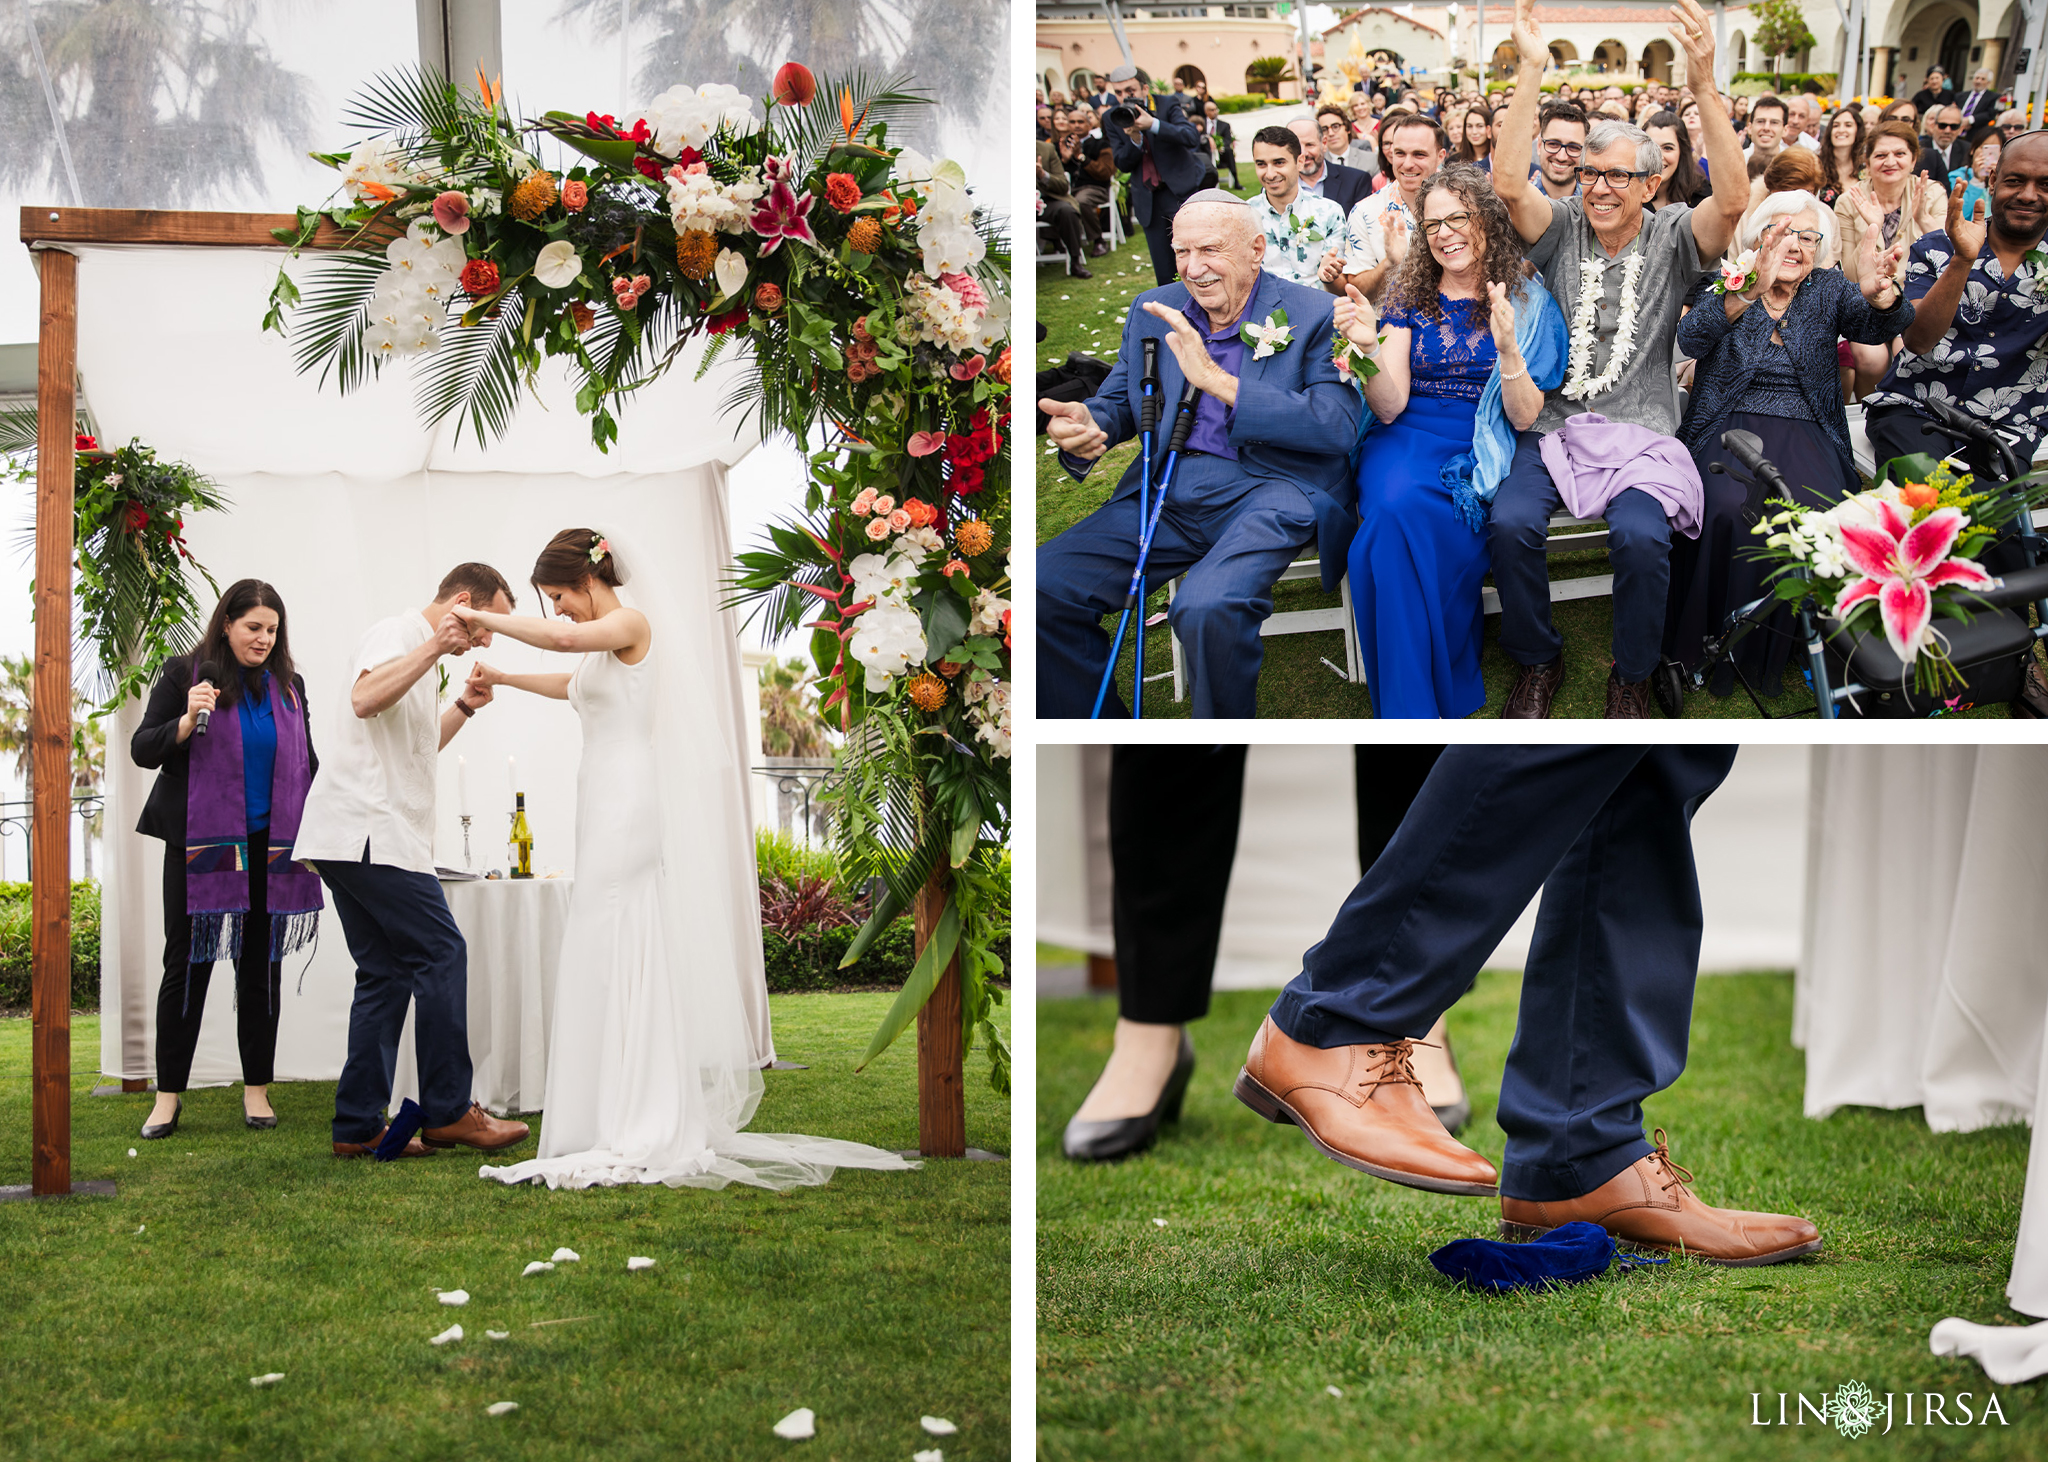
(1164, 155)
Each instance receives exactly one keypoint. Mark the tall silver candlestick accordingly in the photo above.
(466, 868)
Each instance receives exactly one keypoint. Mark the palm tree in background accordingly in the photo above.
(88, 739)
(790, 723)
(950, 49)
(159, 103)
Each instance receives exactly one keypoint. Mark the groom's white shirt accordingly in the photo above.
(376, 779)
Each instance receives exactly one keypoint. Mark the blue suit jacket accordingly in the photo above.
(1296, 417)
(1176, 150)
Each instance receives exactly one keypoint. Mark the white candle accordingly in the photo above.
(512, 775)
(462, 785)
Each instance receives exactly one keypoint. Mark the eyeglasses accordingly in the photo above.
(1809, 237)
(1945, 126)
(1563, 149)
(1617, 178)
(1458, 221)
(1337, 127)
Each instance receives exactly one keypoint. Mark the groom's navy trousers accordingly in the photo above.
(1605, 832)
(408, 951)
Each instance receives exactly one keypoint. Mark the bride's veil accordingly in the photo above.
(710, 888)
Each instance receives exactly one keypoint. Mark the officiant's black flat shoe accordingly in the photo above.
(151, 1133)
(1108, 1141)
(1458, 1113)
(261, 1124)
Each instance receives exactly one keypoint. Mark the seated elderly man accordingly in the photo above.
(1621, 276)
(1266, 470)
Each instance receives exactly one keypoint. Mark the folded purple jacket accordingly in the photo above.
(1592, 459)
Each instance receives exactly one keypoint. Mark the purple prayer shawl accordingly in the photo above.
(1593, 460)
(217, 836)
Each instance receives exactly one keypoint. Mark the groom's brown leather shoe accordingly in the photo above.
(1364, 1107)
(476, 1128)
(1651, 1204)
(414, 1148)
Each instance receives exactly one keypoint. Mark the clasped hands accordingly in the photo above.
(456, 635)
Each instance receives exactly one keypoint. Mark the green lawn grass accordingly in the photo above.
(129, 1327)
(1280, 1273)
(1087, 315)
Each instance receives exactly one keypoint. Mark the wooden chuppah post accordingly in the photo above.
(50, 726)
(941, 1052)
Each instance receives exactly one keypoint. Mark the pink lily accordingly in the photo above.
(783, 214)
(1903, 563)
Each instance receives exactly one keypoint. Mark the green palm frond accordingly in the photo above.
(18, 431)
(409, 103)
(333, 312)
(810, 131)
(477, 372)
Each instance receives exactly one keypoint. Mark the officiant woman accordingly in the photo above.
(233, 758)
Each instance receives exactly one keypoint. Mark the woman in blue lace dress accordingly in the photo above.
(1467, 346)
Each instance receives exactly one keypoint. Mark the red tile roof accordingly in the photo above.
(1404, 19)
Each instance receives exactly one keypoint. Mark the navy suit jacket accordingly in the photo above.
(1177, 151)
(1345, 186)
(1296, 416)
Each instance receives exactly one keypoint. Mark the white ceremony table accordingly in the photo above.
(514, 931)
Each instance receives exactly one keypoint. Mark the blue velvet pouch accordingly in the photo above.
(405, 1125)
(1570, 1254)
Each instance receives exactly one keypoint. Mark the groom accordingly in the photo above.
(1606, 833)
(368, 828)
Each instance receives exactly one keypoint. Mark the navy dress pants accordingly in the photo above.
(407, 950)
(1638, 545)
(1605, 832)
(1232, 536)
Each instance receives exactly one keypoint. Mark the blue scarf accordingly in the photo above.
(1544, 342)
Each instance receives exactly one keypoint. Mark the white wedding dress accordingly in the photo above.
(651, 1074)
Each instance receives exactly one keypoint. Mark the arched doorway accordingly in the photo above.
(1657, 57)
(1187, 76)
(1610, 56)
(1562, 54)
(1955, 55)
(1505, 59)
(1082, 83)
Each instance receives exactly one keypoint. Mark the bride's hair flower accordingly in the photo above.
(599, 548)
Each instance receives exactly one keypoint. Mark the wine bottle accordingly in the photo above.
(522, 842)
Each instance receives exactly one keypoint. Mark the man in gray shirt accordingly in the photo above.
(1621, 360)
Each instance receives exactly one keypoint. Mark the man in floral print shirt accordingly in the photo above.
(1979, 337)
(1304, 235)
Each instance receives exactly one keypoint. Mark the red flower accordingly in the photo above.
(138, 517)
(479, 278)
(84, 443)
(842, 191)
(688, 156)
(605, 123)
(794, 85)
(719, 324)
(648, 168)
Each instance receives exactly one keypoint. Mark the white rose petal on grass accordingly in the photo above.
(1159, 1223)
(267, 1380)
(538, 1266)
(453, 1332)
(640, 1262)
(566, 1256)
(454, 1296)
(800, 1425)
(139, 1228)
(934, 1455)
(1334, 1391)
(131, 1152)
(500, 1408)
(938, 1426)
(497, 1334)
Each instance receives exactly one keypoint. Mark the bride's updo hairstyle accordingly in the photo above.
(566, 562)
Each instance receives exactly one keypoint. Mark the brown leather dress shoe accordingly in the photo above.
(1627, 702)
(414, 1148)
(1533, 691)
(476, 1128)
(1362, 1106)
(1651, 1204)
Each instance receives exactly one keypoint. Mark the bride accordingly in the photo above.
(652, 1071)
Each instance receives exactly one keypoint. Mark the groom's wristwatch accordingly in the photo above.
(467, 710)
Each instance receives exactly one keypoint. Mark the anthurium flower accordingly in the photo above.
(451, 212)
(1902, 564)
(783, 214)
(730, 271)
(968, 369)
(558, 264)
(794, 85)
(924, 443)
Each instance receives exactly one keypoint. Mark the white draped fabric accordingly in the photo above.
(354, 511)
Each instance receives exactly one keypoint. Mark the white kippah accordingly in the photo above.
(1215, 195)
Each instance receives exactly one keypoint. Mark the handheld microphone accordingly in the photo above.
(209, 674)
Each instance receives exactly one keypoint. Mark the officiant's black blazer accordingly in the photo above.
(155, 747)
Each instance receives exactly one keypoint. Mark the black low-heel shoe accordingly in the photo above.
(1458, 1113)
(151, 1132)
(261, 1124)
(1108, 1141)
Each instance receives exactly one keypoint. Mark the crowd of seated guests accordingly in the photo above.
(1533, 276)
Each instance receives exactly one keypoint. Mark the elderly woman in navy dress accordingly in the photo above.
(1766, 358)
(1471, 342)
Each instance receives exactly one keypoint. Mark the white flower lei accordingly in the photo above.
(1576, 386)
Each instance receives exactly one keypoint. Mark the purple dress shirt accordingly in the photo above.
(1211, 432)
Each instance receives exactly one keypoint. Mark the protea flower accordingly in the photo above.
(1903, 563)
(783, 214)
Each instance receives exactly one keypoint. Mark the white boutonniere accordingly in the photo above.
(1267, 339)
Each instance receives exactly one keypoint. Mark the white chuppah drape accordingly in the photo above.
(354, 511)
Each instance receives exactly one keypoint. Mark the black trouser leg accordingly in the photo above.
(1173, 815)
(181, 998)
(258, 979)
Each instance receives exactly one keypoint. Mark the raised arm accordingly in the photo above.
(1527, 204)
(1715, 221)
(380, 688)
(1936, 310)
(622, 629)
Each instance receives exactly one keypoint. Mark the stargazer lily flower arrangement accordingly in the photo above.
(1904, 551)
(867, 287)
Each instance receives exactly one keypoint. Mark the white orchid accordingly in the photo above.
(1268, 338)
(682, 117)
(917, 543)
(989, 609)
(884, 580)
(700, 201)
(888, 640)
(731, 272)
(558, 264)
(376, 162)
